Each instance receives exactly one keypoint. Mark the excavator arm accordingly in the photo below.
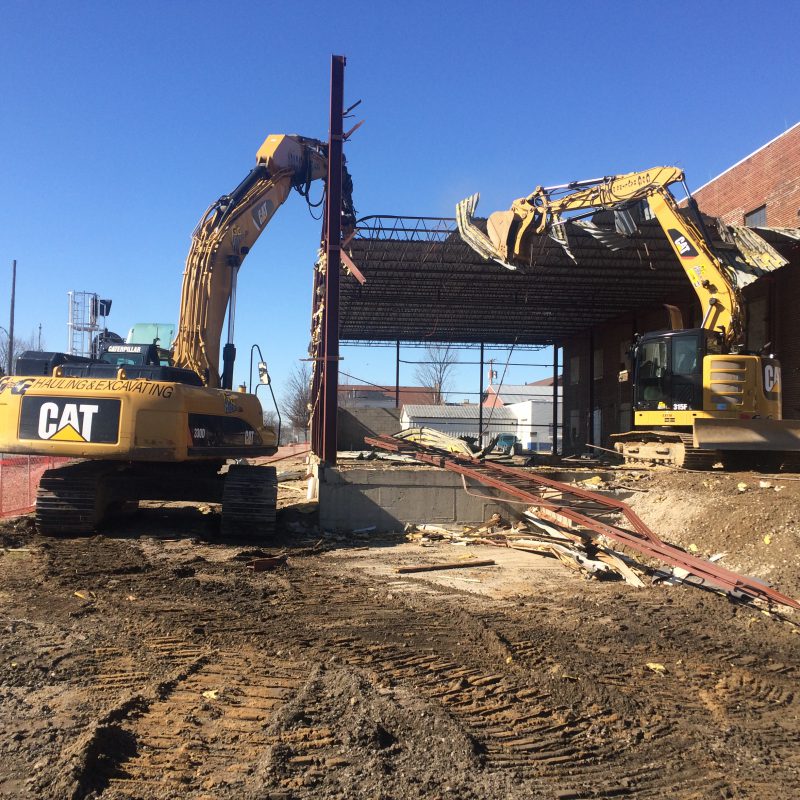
(509, 233)
(221, 241)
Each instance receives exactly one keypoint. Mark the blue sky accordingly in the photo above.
(122, 121)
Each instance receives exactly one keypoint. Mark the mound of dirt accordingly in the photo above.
(343, 735)
(753, 520)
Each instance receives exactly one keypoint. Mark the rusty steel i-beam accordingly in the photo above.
(325, 386)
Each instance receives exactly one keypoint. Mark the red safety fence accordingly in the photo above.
(19, 479)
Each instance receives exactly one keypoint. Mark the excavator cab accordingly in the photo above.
(668, 369)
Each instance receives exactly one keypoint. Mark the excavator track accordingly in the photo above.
(696, 458)
(674, 449)
(249, 501)
(68, 500)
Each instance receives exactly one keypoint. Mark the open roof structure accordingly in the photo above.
(424, 284)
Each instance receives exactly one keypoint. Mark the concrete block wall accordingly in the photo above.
(388, 498)
(353, 424)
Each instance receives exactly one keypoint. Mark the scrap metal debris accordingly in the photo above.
(587, 512)
(573, 548)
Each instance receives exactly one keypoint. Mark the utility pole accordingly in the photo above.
(40, 338)
(11, 322)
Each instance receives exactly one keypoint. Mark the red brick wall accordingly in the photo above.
(769, 176)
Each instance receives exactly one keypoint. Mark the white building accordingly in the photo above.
(532, 406)
(460, 420)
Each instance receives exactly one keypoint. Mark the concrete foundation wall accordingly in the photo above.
(389, 498)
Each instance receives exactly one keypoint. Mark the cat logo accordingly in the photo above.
(772, 378)
(682, 245)
(77, 420)
(72, 423)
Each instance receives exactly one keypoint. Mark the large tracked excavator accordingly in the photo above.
(139, 429)
(699, 398)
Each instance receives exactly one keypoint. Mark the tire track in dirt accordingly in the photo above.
(525, 729)
(611, 729)
(205, 734)
(556, 729)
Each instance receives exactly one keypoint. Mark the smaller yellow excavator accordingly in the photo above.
(698, 397)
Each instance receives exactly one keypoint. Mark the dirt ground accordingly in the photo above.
(149, 662)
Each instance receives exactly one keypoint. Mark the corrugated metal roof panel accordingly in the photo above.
(456, 412)
(788, 233)
(755, 251)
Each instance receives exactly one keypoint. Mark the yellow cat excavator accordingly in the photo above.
(698, 397)
(145, 430)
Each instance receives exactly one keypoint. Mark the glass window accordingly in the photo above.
(685, 355)
(756, 218)
(652, 373)
(653, 360)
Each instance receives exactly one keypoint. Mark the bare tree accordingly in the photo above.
(298, 398)
(271, 421)
(21, 344)
(436, 373)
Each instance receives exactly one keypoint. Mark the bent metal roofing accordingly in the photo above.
(424, 284)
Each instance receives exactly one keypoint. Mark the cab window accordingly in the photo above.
(685, 355)
(653, 372)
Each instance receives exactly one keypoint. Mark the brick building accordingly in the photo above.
(760, 191)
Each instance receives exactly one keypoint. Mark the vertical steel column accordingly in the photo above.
(397, 378)
(480, 405)
(333, 227)
(590, 432)
(11, 322)
(554, 448)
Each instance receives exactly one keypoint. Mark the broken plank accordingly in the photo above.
(449, 565)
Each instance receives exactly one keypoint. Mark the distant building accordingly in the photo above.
(532, 406)
(503, 395)
(531, 421)
(460, 420)
(366, 396)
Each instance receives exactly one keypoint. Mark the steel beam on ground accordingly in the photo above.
(582, 508)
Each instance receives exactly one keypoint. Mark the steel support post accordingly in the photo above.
(397, 377)
(333, 228)
(11, 321)
(554, 448)
(590, 372)
(480, 405)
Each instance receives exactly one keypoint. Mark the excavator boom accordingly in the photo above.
(509, 233)
(222, 239)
